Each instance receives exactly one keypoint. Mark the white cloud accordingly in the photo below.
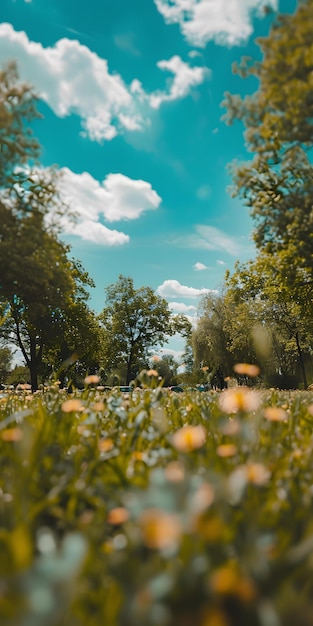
(220, 262)
(72, 79)
(116, 198)
(173, 288)
(199, 267)
(211, 238)
(228, 22)
(97, 233)
(180, 307)
(185, 77)
(91, 202)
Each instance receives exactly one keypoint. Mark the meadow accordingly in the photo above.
(156, 509)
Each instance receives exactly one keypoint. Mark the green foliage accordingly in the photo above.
(277, 186)
(156, 508)
(133, 322)
(42, 292)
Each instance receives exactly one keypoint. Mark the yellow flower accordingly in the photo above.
(104, 445)
(70, 406)
(160, 530)
(239, 399)
(117, 516)
(152, 373)
(12, 434)
(275, 414)
(247, 369)
(93, 379)
(257, 473)
(227, 580)
(189, 438)
(226, 450)
(98, 406)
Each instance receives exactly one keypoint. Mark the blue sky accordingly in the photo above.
(131, 96)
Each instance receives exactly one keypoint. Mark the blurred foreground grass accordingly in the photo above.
(156, 509)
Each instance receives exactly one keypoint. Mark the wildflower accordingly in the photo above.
(226, 450)
(227, 580)
(93, 379)
(239, 399)
(138, 456)
(105, 445)
(275, 414)
(69, 406)
(153, 373)
(117, 516)
(189, 438)
(160, 530)
(247, 369)
(98, 406)
(257, 473)
(12, 434)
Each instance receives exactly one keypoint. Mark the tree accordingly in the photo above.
(277, 184)
(133, 322)
(258, 285)
(17, 108)
(39, 285)
(5, 363)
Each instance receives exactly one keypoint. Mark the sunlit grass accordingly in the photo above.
(156, 508)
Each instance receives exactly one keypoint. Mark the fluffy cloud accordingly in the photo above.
(173, 288)
(199, 267)
(96, 233)
(185, 77)
(116, 198)
(211, 238)
(91, 202)
(228, 22)
(71, 78)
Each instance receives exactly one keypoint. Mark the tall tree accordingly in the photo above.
(277, 183)
(39, 284)
(133, 322)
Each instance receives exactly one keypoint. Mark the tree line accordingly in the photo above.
(263, 312)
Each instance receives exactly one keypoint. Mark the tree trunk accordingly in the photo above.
(33, 365)
(301, 361)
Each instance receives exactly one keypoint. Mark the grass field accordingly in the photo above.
(156, 509)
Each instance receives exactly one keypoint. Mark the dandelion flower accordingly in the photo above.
(160, 530)
(69, 406)
(12, 434)
(275, 414)
(93, 379)
(117, 516)
(247, 369)
(239, 399)
(226, 450)
(257, 473)
(105, 445)
(152, 373)
(189, 438)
